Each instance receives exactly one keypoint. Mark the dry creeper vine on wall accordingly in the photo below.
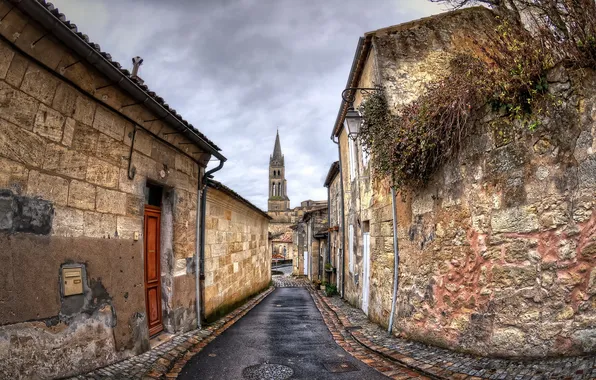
(508, 75)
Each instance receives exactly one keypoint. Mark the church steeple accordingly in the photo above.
(277, 148)
(276, 159)
(278, 198)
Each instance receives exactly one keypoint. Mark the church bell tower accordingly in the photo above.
(278, 198)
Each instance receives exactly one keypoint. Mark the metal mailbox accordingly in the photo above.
(73, 281)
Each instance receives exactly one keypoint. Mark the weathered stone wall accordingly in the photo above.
(44, 335)
(335, 233)
(65, 197)
(367, 202)
(498, 251)
(237, 254)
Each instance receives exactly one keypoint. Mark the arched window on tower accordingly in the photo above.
(279, 188)
(273, 190)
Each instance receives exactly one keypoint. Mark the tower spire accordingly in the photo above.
(278, 198)
(277, 148)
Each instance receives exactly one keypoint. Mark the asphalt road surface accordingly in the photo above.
(284, 337)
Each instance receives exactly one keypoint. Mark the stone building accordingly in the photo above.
(282, 246)
(237, 256)
(99, 202)
(278, 208)
(310, 237)
(278, 197)
(496, 252)
(334, 255)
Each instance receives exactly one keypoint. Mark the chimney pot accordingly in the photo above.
(136, 63)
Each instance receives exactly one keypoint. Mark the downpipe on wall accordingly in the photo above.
(328, 253)
(200, 235)
(396, 262)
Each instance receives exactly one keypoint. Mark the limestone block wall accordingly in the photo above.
(335, 233)
(65, 197)
(498, 251)
(237, 254)
(367, 208)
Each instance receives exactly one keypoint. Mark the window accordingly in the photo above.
(351, 248)
(353, 156)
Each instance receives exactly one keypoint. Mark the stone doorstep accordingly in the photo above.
(433, 371)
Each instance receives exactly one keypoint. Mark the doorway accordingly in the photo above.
(305, 263)
(152, 270)
(365, 271)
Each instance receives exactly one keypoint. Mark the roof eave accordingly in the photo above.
(361, 52)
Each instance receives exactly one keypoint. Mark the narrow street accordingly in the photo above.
(282, 337)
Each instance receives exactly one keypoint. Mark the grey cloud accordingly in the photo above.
(238, 70)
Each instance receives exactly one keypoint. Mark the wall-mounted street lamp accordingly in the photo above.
(354, 121)
(353, 118)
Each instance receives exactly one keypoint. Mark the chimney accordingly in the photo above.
(136, 63)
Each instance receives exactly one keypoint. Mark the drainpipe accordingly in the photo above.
(329, 228)
(200, 236)
(396, 261)
(343, 227)
(197, 248)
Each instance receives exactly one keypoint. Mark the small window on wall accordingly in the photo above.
(153, 195)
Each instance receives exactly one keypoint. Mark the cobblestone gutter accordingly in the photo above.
(440, 363)
(167, 360)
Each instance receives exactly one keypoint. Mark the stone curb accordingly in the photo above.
(339, 329)
(391, 354)
(437, 371)
(171, 364)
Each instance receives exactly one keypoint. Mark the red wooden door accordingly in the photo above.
(152, 269)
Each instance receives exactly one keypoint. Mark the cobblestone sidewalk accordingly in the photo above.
(444, 364)
(291, 282)
(343, 338)
(167, 359)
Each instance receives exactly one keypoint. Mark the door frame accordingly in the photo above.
(365, 271)
(306, 263)
(155, 211)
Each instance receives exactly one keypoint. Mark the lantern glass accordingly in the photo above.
(353, 122)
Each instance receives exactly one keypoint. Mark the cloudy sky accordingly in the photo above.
(238, 70)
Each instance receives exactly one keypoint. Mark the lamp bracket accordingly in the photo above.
(349, 94)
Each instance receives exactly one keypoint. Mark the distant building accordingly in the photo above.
(283, 217)
(334, 257)
(278, 198)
